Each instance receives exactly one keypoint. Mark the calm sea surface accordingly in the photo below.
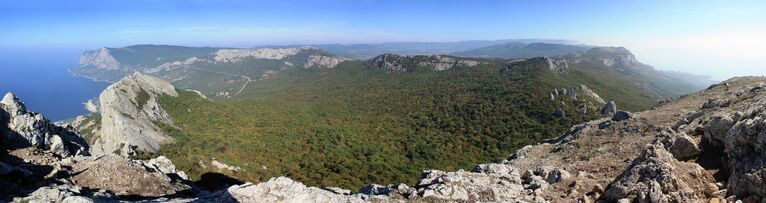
(41, 80)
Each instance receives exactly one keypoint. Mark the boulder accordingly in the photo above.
(164, 165)
(63, 194)
(681, 146)
(559, 113)
(609, 109)
(282, 189)
(622, 115)
(557, 175)
(374, 189)
(716, 129)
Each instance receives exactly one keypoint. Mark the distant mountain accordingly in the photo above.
(367, 51)
(522, 50)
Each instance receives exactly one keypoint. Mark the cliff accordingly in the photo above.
(130, 113)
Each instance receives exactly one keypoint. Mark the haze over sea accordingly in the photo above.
(40, 78)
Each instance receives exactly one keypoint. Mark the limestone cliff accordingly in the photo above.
(130, 112)
(398, 63)
(101, 58)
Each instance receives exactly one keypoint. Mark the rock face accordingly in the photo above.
(23, 128)
(100, 58)
(129, 110)
(390, 63)
(236, 55)
(324, 61)
(403, 64)
(557, 65)
(747, 157)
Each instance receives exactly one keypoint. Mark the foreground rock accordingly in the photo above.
(24, 128)
(656, 176)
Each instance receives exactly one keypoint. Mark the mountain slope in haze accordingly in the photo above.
(522, 50)
(367, 51)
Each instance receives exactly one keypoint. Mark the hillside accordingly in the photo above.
(381, 120)
(700, 147)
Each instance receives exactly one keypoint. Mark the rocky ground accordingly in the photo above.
(703, 147)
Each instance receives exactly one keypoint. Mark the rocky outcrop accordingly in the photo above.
(744, 146)
(236, 55)
(403, 64)
(100, 58)
(556, 64)
(609, 56)
(42, 162)
(124, 177)
(590, 93)
(23, 128)
(100, 179)
(283, 189)
(324, 61)
(129, 112)
(656, 176)
(390, 63)
(610, 109)
(445, 62)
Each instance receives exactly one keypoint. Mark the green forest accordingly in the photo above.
(354, 125)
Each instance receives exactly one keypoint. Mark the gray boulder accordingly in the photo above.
(609, 109)
(622, 115)
(559, 113)
(283, 189)
(681, 146)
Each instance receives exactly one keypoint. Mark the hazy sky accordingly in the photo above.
(717, 38)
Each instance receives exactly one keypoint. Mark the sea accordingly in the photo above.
(40, 78)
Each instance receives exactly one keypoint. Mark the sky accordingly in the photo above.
(717, 38)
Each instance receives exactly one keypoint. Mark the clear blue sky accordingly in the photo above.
(719, 38)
